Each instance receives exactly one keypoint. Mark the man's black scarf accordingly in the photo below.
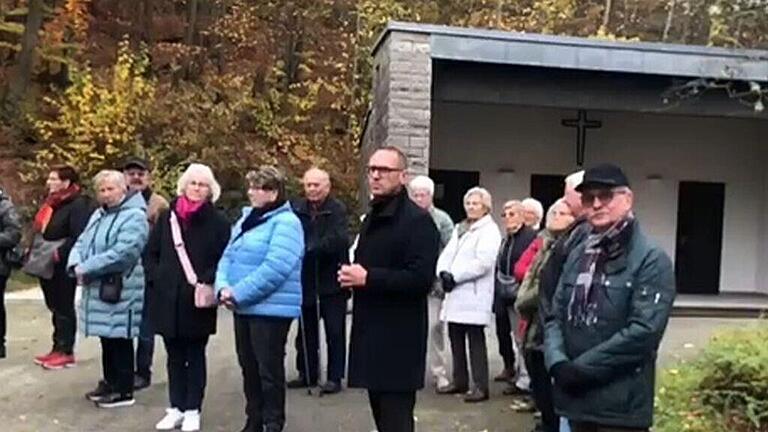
(600, 248)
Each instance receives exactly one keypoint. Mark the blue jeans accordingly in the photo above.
(145, 348)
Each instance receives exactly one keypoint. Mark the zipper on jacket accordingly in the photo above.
(130, 323)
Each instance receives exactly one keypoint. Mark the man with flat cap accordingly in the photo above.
(138, 177)
(610, 311)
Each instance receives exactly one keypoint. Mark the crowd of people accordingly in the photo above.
(579, 296)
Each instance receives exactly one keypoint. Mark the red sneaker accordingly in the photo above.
(59, 361)
(39, 360)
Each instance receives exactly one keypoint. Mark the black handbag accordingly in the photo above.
(506, 287)
(111, 287)
(14, 257)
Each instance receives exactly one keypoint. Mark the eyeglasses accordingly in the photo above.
(199, 184)
(506, 214)
(605, 196)
(372, 169)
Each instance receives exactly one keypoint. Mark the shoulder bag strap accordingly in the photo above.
(181, 250)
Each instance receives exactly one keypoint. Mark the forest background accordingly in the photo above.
(238, 83)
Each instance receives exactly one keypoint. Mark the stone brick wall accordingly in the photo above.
(401, 110)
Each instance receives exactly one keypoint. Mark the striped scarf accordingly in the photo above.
(600, 248)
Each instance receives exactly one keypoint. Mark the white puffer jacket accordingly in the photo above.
(471, 260)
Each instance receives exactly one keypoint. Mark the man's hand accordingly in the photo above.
(446, 278)
(352, 276)
(227, 298)
(569, 377)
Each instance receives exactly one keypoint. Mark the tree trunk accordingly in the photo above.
(21, 78)
(147, 17)
(192, 6)
(670, 17)
(607, 14)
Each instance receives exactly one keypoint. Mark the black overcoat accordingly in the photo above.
(326, 241)
(398, 246)
(170, 297)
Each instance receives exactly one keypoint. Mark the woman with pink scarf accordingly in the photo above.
(184, 249)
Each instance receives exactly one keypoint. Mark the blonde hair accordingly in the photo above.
(112, 176)
(485, 197)
(197, 169)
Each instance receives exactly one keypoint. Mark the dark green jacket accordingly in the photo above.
(618, 352)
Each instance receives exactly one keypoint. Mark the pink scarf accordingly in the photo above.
(186, 208)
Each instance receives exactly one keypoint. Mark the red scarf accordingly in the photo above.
(52, 202)
(186, 208)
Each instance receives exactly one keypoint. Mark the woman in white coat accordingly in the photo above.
(466, 269)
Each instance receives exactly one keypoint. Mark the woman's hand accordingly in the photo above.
(227, 298)
(79, 275)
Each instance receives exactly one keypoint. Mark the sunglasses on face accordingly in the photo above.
(604, 196)
(372, 169)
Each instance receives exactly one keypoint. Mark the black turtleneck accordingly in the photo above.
(254, 218)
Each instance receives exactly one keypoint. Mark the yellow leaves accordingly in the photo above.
(97, 120)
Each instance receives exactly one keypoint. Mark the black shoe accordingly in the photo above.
(116, 400)
(476, 396)
(140, 382)
(100, 392)
(252, 427)
(513, 390)
(330, 387)
(299, 382)
(451, 389)
(2, 351)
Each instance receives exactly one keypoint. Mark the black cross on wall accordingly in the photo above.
(581, 124)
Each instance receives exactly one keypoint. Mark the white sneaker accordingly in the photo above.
(173, 419)
(191, 421)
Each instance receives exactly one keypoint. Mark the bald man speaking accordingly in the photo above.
(324, 219)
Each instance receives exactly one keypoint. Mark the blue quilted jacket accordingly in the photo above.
(111, 243)
(262, 266)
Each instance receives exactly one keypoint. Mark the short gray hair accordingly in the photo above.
(574, 179)
(560, 201)
(534, 205)
(514, 204)
(423, 182)
(197, 169)
(112, 176)
(485, 197)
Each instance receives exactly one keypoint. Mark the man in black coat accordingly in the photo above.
(10, 236)
(393, 272)
(324, 220)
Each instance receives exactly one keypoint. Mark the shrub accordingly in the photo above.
(724, 390)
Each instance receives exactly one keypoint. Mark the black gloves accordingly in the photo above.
(446, 278)
(569, 377)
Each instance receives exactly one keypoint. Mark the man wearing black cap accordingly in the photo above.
(610, 311)
(138, 176)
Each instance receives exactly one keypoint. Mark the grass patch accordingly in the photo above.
(725, 389)
(21, 281)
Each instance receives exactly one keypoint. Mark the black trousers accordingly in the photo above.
(392, 412)
(333, 311)
(59, 293)
(145, 345)
(117, 364)
(260, 343)
(504, 335)
(478, 355)
(591, 427)
(541, 388)
(3, 329)
(186, 372)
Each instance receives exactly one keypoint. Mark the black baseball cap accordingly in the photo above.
(603, 175)
(136, 162)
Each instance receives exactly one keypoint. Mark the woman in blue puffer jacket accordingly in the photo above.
(106, 260)
(259, 278)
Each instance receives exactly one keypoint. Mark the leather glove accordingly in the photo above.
(446, 278)
(569, 377)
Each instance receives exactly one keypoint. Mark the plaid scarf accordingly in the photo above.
(600, 248)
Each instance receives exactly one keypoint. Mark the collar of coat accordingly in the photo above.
(285, 207)
(387, 207)
(483, 221)
(301, 206)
